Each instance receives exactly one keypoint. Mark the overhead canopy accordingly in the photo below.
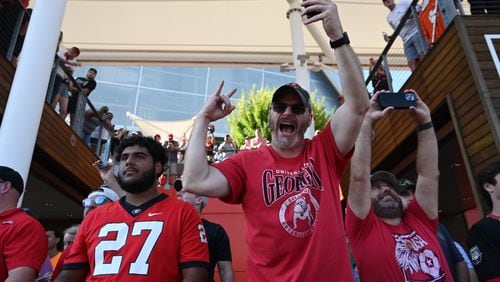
(207, 32)
(178, 128)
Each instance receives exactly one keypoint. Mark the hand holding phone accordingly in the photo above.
(102, 165)
(400, 101)
(311, 14)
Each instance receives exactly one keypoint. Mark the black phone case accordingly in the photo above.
(397, 100)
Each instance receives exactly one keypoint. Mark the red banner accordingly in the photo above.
(431, 20)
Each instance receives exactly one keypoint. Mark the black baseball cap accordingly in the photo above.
(405, 184)
(385, 176)
(92, 69)
(8, 174)
(293, 88)
(178, 185)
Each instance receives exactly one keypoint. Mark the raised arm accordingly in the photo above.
(359, 198)
(226, 272)
(426, 191)
(348, 118)
(200, 178)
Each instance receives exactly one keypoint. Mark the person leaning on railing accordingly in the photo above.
(67, 64)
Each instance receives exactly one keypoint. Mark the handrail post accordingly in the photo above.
(423, 41)
(15, 35)
(52, 80)
(388, 75)
(79, 115)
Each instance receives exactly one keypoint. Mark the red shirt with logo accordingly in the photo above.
(151, 242)
(23, 242)
(409, 251)
(292, 209)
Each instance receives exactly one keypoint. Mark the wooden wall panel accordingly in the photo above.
(439, 72)
(448, 70)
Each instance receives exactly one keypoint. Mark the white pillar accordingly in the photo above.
(301, 72)
(24, 107)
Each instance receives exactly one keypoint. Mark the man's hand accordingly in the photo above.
(374, 112)
(218, 106)
(421, 113)
(328, 13)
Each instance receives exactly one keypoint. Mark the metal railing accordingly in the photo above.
(392, 60)
(13, 24)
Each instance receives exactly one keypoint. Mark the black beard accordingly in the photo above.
(140, 185)
(388, 208)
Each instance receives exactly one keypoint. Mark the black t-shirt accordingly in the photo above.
(86, 84)
(450, 251)
(483, 241)
(218, 245)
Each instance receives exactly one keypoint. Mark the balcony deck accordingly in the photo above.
(60, 159)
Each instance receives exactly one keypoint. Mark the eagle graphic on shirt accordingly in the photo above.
(415, 259)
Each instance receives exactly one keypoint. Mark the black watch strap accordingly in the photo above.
(339, 42)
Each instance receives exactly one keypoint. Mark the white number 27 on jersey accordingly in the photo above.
(140, 265)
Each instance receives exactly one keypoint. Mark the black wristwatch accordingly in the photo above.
(339, 42)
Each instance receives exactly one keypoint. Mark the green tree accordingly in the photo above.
(252, 112)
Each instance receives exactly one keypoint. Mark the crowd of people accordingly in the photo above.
(288, 189)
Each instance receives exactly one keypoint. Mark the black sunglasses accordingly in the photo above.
(297, 109)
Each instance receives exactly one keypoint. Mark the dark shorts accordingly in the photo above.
(73, 100)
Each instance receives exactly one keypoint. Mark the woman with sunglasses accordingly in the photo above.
(97, 198)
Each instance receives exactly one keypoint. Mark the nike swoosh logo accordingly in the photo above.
(154, 213)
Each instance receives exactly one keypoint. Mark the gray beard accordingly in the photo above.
(388, 209)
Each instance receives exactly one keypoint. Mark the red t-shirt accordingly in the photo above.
(23, 242)
(152, 242)
(292, 210)
(409, 251)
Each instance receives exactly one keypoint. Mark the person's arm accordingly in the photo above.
(176, 146)
(193, 274)
(108, 177)
(462, 272)
(200, 178)
(359, 198)
(348, 118)
(226, 272)
(72, 275)
(426, 191)
(86, 91)
(21, 274)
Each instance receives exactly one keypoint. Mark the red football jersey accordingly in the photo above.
(151, 242)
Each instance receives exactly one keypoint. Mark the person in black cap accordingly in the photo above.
(391, 241)
(218, 241)
(23, 243)
(87, 85)
(289, 189)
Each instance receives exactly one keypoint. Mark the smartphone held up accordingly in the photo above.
(400, 100)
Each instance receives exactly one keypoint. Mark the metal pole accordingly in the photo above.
(299, 53)
(26, 99)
